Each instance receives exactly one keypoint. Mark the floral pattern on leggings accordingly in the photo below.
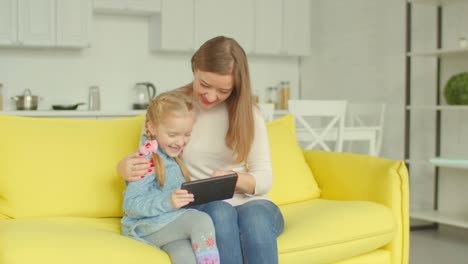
(208, 257)
(207, 253)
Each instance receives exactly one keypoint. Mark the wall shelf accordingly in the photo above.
(438, 52)
(448, 218)
(435, 2)
(450, 162)
(438, 107)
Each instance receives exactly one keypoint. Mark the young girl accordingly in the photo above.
(152, 206)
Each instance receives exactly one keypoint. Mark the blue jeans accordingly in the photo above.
(246, 233)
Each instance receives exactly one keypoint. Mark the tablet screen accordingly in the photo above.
(211, 189)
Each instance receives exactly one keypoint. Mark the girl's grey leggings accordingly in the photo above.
(190, 238)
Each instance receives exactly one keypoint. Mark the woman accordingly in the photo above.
(229, 135)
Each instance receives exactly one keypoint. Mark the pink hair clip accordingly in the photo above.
(150, 146)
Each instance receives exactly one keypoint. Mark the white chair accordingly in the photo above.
(330, 115)
(365, 122)
(267, 110)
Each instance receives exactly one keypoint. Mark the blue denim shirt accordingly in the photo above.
(147, 206)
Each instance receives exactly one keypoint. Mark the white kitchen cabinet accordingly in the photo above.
(149, 6)
(8, 22)
(225, 17)
(173, 28)
(296, 27)
(45, 23)
(36, 22)
(268, 27)
(282, 27)
(109, 5)
(265, 27)
(73, 23)
(134, 7)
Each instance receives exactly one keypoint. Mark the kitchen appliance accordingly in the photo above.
(27, 101)
(94, 100)
(67, 107)
(145, 91)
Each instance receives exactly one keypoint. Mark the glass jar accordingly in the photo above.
(1, 97)
(94, 101)
(284, 95)
(272, 93)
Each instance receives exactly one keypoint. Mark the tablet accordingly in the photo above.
(211, 189)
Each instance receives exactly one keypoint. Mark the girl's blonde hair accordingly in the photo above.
(164, 106)
(222, 55)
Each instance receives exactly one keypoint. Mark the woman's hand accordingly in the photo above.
(245, 181)
(181, 198)
(133, 167)
(217, 173)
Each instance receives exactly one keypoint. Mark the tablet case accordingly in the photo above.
(211, 189)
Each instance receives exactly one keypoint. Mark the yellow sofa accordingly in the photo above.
(60, 197)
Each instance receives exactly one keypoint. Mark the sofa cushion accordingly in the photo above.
(379, 256)
(292, 178)
(327, 231)
(72, 240)
(63, 167)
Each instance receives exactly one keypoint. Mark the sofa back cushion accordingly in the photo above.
(292, 178)
(63, 167)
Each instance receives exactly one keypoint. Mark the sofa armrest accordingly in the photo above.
(346, 176)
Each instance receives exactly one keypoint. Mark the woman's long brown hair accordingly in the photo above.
(222, 55)
(162, 107)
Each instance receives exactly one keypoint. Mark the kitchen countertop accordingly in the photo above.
(75, 113)
(86, 113)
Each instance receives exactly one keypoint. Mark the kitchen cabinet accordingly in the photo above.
(225, 17)
(296, 27)
(73, 23)
(36, 22)
(185, 25)
(173, 28)
(45, 23)
(271, 27)
(282, 27)
(265, 27)
(134, 7)
(8, 22)
(268, 26)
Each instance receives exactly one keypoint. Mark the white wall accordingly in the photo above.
(358, 55)
(119, 57)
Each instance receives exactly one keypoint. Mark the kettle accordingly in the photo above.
(145, 92)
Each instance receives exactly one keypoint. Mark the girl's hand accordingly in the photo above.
(133, 167)
(181, 198)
